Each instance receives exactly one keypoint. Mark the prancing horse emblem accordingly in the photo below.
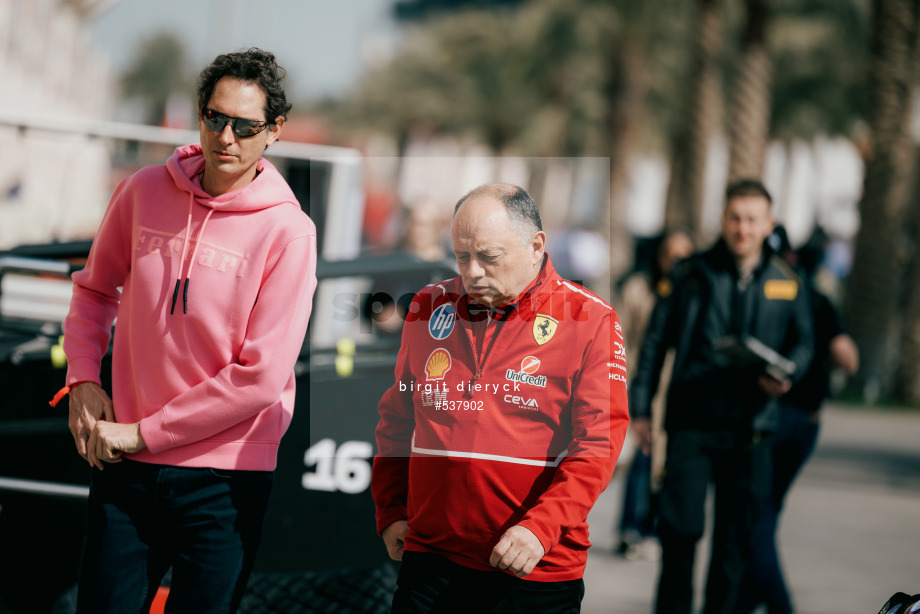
(544, 327)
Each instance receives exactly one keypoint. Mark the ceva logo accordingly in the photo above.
(442, 321)
(522, 402)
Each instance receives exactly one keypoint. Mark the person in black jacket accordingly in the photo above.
(721, 410)
(793, 443)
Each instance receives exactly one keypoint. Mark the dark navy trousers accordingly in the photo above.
(143, 519)
(738, 465)
(432, 584)
(763, 580)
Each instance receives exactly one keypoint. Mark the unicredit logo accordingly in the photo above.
(525, 378)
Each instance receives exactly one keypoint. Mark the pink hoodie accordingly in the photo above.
(212, 383)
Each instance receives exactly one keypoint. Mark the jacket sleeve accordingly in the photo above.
(274, 337)
(96, 293)
(658, 339)
(599, 420)
(802, 332)
(390, 474)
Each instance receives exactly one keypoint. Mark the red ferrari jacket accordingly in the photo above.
(525, 431)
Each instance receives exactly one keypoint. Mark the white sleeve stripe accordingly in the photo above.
(580, 291)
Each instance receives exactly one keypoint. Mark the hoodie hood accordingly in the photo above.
(268, 189)
(261, 193)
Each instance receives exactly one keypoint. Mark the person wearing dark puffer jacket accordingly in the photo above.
(720, 412)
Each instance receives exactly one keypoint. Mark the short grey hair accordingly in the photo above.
(519, 205)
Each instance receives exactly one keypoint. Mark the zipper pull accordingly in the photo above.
(469, 386)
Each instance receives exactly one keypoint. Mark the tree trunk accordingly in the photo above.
(627, 110)
(907, 382)
(704, 105)
(875, 281)
(749, 115)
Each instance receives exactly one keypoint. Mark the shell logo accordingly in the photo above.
(438, 364)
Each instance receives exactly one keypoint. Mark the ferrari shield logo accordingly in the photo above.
(544, 327)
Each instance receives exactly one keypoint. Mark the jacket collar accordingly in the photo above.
(720, 257)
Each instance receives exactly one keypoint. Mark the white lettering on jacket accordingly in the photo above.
(522, 402)
(213, 256)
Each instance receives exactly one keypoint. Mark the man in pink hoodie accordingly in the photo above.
(203, 371)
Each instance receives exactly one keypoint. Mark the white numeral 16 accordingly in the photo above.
(346, 469)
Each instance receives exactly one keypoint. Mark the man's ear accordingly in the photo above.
(538, 243)
(275, 131)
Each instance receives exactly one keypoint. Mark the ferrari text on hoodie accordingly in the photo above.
(213, 296)
(514, 415)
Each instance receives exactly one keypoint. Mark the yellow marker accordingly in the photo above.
(58, 359)
(345, 362)
(664, 287)
(344, 366)
(780, 289)
(345, 347)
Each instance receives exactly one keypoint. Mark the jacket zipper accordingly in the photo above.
(486, 351)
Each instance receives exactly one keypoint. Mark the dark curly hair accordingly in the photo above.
(253, 66)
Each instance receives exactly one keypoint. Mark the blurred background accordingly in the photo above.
(622, 118)
(625, 119)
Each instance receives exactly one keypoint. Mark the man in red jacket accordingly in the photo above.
(503, 426)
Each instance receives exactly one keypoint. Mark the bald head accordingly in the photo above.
(499, 247)
(519, 205)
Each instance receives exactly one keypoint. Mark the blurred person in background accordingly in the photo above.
(794, 441)
(637, 299)
(581, 254)
(720, 414)
(388, 304)
(183, 451)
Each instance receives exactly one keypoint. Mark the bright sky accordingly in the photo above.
(324, 44)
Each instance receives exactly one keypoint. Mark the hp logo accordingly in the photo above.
(442, 321)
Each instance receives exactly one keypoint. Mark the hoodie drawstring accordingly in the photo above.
(188, 231)
(185, 243)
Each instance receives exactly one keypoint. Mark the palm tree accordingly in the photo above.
(749, 113)
(875, 282)
(702, 118)
(630, 58)
(907, 384)
(527, 82)
(819, 51)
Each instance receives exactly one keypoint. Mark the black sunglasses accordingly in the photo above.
(242, 128)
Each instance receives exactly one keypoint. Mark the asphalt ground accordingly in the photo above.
(849, 535)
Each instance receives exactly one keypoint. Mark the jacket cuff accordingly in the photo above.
(543, 535)
(155, 434)
(388, 516)
(82, 370)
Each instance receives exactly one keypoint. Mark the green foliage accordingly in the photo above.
(820, 52)
(421, 9)
(158, 69)
(668, 50)
(531, 79)
(544, 78)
